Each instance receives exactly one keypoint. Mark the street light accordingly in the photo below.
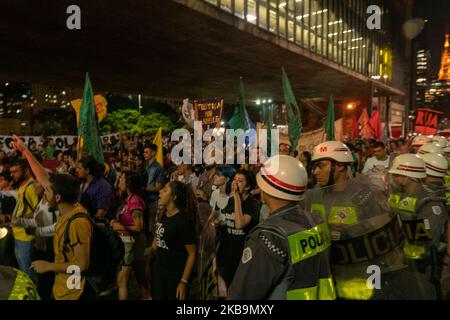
(266, 103)
(139, 104)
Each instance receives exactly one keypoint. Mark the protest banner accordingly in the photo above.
(209, 112)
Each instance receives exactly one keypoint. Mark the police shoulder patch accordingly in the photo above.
(436, 210)
(247, 255)
(272, 247)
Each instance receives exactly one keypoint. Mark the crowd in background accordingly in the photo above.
(159, 211)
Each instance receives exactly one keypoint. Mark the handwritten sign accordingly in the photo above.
(209, 112)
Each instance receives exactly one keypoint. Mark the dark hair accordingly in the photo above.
(227, 172)
(93, 166)
(140, 157)
(151, 146)
(350, 146)
(184, 198)
(67, 186)
(134, 182)
(56, 153)
(394, 142)
(70, 153)
(308, 156)
(249, 178)
(7, 176)
(379, 144)
(23, 164)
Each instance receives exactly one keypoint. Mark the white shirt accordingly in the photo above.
(192, 179)
(218, 199)
(374, 162)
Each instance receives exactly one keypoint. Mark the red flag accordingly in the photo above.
(427, 121)
(366, 130)
(375, 124)
(355, 127)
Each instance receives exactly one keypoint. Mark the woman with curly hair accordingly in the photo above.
(173, 251)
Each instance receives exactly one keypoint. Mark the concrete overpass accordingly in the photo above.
(167, 48)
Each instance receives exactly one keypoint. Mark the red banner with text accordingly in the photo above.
(427, 121)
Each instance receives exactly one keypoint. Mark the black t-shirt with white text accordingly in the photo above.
(172, 234)
(232, 240)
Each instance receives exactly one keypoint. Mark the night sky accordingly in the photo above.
(438, 14)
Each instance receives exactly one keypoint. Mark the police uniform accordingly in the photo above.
(423, 215)
(16, 285)
(447, 184)
(364, 233)
(286, 257)
(423, 218)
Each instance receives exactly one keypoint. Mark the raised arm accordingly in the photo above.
(39, 171)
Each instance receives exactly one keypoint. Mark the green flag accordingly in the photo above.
(87, 125)
(329, 122)
(294, 120)
(238, 120)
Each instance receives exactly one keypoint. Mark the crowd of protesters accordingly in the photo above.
(157, 210)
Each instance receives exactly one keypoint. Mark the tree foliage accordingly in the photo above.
(130, 121)
(54, 122)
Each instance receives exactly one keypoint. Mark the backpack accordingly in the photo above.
(26, 204)
(106, 256)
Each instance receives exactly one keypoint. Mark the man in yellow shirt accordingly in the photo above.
(73, 259)
(27, 200)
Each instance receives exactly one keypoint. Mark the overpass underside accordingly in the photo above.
(180, 48)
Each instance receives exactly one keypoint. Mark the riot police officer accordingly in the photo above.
(423, 217)
(432, 147)
(420, 141)
(16, 285)
(287, 255)
(366, 236)
(436, 167)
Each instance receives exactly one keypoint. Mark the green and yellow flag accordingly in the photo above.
(88, 135)
(101, 107)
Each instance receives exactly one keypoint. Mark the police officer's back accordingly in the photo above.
(287, 255)
(423, 215)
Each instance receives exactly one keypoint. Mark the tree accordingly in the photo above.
(53, 122)
(130, 121)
